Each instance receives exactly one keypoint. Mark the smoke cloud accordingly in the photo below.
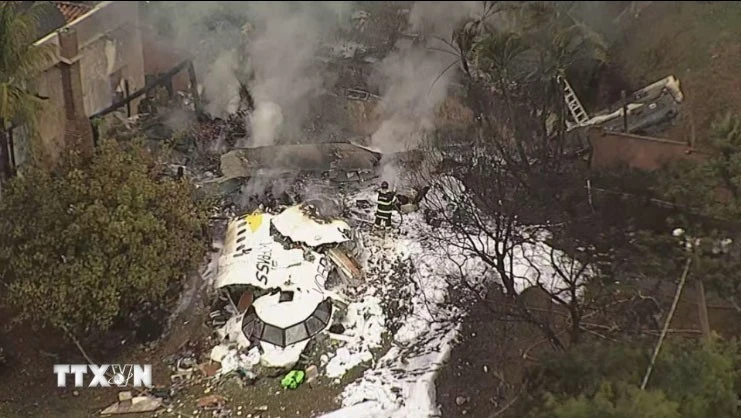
(415, 78)
(281, 54)
(268, 46)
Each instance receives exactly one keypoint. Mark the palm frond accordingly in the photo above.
(496, 52)
(20, 61)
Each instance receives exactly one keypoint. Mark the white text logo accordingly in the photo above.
(105, 375)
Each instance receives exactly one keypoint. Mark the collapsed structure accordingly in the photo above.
(642, 111)
(275, 271)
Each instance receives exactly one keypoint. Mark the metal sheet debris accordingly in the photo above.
(284, 261)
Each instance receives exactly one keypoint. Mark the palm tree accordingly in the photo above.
(20, 63)
(542, 42)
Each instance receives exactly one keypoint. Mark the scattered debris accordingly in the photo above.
(312, 373)
(360, 95)
(280, 260)
(133, 405)
(211, 402)
(209, 369)
(239, 362)
(316, 158)
(125, 396)
(219, 352)
(645, 110)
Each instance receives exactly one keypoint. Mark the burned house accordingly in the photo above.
(97, 58)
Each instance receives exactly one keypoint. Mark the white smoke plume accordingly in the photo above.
(269, 46)
(266, 121)
(414, 80)
(281, 53)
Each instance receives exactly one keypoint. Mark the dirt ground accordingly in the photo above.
(28, 385)
(487, 364)
(699, 43)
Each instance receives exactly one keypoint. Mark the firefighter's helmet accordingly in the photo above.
(385, 185)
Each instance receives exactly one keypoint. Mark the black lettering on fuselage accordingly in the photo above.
(264, 261)
(321, 274)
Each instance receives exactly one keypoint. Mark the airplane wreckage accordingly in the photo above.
(333, 159)
(339, 162)
(274, 270)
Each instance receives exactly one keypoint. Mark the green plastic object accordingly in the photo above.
(293, 379)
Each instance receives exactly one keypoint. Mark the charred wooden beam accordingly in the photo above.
(159, 81)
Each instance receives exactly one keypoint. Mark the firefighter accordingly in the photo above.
(386, 199)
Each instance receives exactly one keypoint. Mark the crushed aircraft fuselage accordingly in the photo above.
(284, 261)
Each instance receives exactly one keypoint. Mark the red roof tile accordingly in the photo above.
(72, 11)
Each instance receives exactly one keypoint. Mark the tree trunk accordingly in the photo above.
(702, 309)
(575, 314)
(6, 170)
(668, 321)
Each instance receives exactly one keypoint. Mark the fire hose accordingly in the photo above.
(401, 215)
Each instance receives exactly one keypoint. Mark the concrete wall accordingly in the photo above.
(110, 42)
(614, 149)
(52, 126)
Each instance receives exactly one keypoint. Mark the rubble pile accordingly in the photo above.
(214, 132)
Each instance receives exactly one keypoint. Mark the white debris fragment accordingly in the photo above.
(345, 360)
(219, 352)
(297, 225)
(235, 360)
(232, 331)
(364, 328)
(274, 356)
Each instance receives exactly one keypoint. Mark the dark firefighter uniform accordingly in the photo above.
(385, 206)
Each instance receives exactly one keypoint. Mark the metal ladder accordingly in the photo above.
(572, 102)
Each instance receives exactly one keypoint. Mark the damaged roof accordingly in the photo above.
(54, 15)
(48, 20)
(72, 10)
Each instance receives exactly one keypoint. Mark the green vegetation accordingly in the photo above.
(20, 63)
(96, 238)
(712, 186)
(690, 380)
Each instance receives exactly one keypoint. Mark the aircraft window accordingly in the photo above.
(314, 326)
(322, 312)
(273, 335)
(296, 333)
(285, 297)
